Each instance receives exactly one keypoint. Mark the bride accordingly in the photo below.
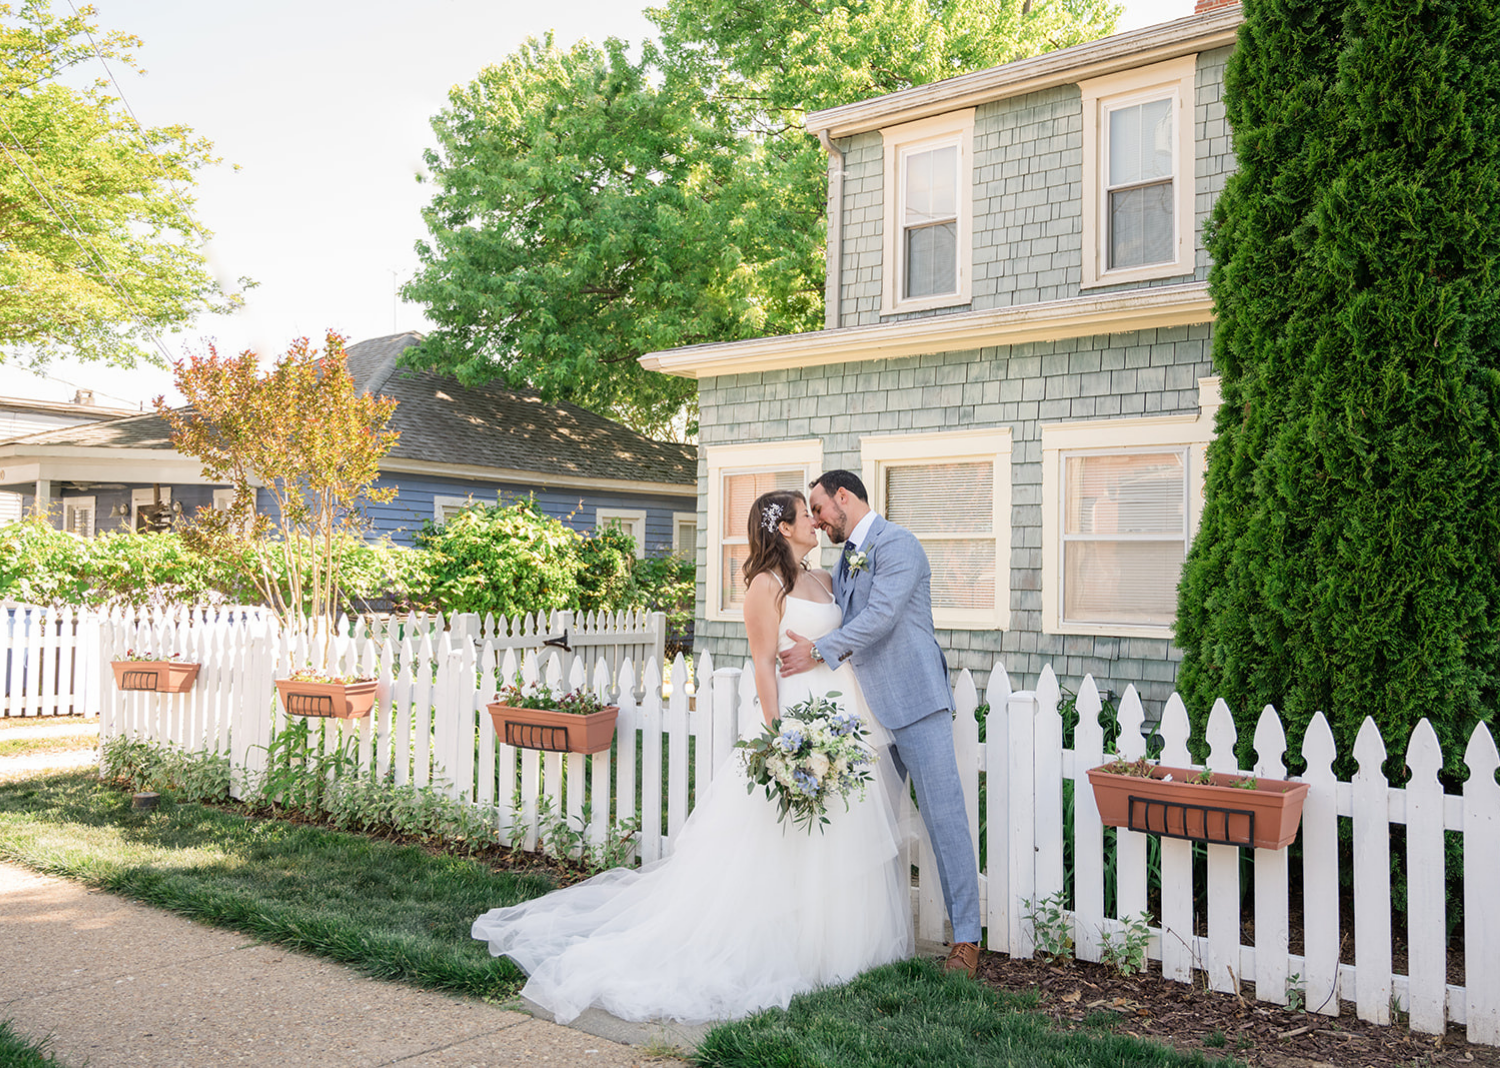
(747, 911)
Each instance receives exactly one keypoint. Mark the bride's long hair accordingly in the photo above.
(769, 548)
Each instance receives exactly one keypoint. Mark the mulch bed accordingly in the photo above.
(1194, 1019)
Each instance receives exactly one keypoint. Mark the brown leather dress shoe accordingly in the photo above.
(963, 957)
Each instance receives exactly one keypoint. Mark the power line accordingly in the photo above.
(89, 252)
(171, 188)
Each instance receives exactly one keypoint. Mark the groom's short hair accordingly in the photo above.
(833, 481)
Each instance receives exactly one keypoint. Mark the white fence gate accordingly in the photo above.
(430, 728)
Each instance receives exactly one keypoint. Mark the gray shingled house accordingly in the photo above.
(485, 442)
(1016, 353)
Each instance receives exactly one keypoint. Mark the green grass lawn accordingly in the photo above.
(56, 743)
(401, 912)
(16, 1051)
(391, 911)
(909, 1014)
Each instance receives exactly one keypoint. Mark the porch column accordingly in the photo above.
(43, 502)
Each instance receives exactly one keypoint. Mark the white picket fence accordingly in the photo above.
(50, 660)
(430, 727)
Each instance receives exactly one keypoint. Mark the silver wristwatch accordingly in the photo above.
(817, 655)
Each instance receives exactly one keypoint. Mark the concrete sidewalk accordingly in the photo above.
(114, 984)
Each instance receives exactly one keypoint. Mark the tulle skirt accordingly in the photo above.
(744, 914)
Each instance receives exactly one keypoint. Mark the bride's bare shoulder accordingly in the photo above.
(822, 578)
(763, 586)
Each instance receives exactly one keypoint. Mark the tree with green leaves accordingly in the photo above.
(99, 249)
(590, 208)
(1348, 560)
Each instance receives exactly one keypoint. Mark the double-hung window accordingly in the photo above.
(1124, 535)
(1120, 504)
(737, 475)
(928, 213)
(630, 521)
(78, 516)
(952, 490)
(1138, 174)
(685, 534)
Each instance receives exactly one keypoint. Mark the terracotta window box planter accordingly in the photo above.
(340, 700)
(1265, 817)
(556, 732)
(158, 676)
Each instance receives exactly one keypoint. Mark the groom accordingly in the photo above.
(884, 585)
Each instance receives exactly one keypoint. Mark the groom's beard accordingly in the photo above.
(837, 528)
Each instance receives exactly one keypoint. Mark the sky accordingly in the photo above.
(321, 110)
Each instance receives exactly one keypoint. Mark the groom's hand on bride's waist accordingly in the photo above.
(799, 657)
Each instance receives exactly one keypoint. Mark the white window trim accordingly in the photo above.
(627, 518)
(994, 444)
(738, 460)
(80, 504)
(440, 503)
(1176, 79)
(956, 127)
(223, 501)
(144, 498)
(1113, 436)
(679, 520)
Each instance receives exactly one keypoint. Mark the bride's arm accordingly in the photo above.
(762, 625)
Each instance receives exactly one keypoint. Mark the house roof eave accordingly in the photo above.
(539, 479)
(1115, 312)
(1092, 59)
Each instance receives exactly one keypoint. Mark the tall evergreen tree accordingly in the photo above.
(1349, 555)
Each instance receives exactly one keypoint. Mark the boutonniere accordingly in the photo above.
(858, 562)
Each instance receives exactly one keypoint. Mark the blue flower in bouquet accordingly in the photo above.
(817, 752)
(845, 724)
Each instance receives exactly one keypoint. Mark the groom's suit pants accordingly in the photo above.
(924, 750)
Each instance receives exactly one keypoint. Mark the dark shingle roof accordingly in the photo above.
(491, 426)
(149, 431)
(442, 421)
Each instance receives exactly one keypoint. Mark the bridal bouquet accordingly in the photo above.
(815, 752)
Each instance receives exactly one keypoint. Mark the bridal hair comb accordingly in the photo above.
(770, 517)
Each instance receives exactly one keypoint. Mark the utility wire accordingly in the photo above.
(89, 252)
(171, 186)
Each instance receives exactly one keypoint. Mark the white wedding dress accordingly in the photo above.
(745, 913)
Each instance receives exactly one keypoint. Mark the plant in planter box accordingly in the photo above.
(539, 718)
(303, 435)
(1205, 806)
(162, 673)
(317, 693)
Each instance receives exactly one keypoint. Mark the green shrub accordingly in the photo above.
(503, 559)
(668, 584)
(42, 565)
(126, 568)
(606, 571)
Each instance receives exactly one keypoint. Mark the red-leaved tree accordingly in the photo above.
(303, 433)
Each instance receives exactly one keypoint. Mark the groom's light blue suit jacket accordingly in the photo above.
(887, 629)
